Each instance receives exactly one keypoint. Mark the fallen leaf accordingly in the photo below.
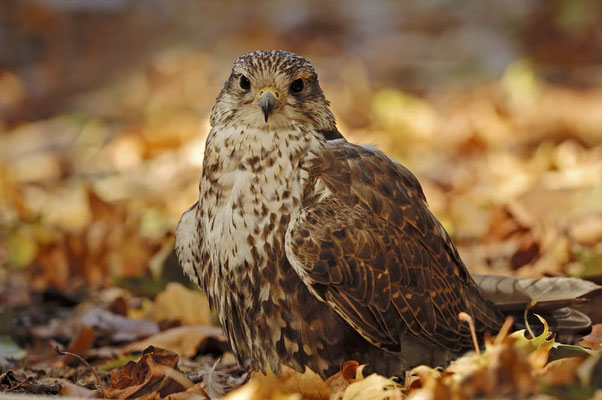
(338, 382)
(9, 350)
(594, 339)
(116, 328)
(69, 389)
(117, 362)
(193, 393)
(503, 369)
(8, 380)
(561, 372)
(83, 341)
(254, 390)
(560, 350)
(590, 371)
(155, 375)
(177, 302)
(309, 384)
(183, 340)
(22, 247)
(420, 376)
(374, 387)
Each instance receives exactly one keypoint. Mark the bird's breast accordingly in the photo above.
(248, 196)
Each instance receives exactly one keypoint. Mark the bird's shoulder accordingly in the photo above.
(363, 174)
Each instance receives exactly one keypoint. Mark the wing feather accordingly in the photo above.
(369, 246)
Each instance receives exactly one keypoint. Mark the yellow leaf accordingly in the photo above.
(22, 248)
(255, 391)
(183, 340)
(374, 387)
(176, 302)
(308, 384)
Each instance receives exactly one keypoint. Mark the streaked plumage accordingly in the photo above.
(314, 250)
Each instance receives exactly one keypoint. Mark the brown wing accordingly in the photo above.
(366, 243)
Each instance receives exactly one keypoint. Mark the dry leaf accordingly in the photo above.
(374, 387)
(342, 379)
(309, 384)
(83, 341)
(421, 376)
(436, 389)
(69, 389)
(177, 302)
(196, 392)
(183, 340)
(116, 327)
(155, 375)
(561, 372)
(254, 390)
(503, 369)
(594, 339)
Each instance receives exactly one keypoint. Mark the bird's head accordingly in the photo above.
(272, 89)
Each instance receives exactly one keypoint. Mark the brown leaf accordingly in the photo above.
(562, 371)
(72, 390)
(254, 390)
(183, 340)
(594, 339)
(502, 370)
(374, 387)
(8, 380)
(83, 341)
(80, 344)
(350, 370)
(587, 229)
(507, 370)
(195, 392)
(342, 379)
(539, 357)
(421, 376)
(155, 375)
(177, 302)
(337, 385)
(117, 327)
(309, 384)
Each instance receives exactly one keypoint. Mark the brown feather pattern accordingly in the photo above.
(315, 251)
(372, 249)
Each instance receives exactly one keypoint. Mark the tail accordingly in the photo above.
(569, 305)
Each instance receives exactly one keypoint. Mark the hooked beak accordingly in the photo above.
(266, 100)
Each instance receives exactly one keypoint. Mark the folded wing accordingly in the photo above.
(366, 243)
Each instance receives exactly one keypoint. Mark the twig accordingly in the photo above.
(87, 364)
(23, 382)
(473, 332)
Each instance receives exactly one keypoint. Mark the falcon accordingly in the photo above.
(314, 250)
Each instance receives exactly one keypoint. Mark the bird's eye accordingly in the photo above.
(245, 83)
(297, 86)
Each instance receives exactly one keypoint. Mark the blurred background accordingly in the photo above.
(496, 106)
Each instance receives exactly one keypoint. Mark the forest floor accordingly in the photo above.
(93, 179)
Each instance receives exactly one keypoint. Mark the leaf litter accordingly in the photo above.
(90, 195)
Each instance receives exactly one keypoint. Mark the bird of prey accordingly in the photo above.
(314, 250)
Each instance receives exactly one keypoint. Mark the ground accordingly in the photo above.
(497, 113)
